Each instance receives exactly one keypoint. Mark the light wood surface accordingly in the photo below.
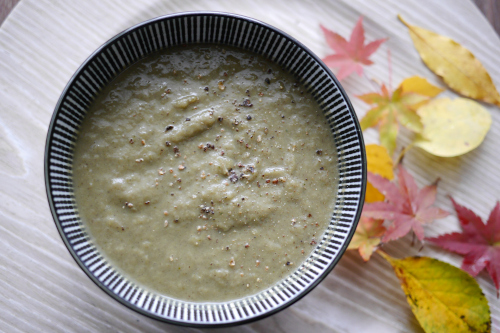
(42, 43)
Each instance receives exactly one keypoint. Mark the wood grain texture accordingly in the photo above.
(490, 9)
(42, 43)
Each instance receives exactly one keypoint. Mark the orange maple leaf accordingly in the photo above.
(367, 237)
(398, 107)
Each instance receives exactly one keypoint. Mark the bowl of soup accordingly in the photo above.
(205, 169)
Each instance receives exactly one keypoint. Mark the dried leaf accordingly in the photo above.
(397, 108)
(478, 242)
(421, 86)
(367, 237)
(379, 163)
(452, 127)
(456, 65)
(442, 297)
(407, 206)
(350, 56)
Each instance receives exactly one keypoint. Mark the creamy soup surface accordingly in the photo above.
(205, 173)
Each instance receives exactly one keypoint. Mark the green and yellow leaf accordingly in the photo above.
(442, 297)
(388, 131)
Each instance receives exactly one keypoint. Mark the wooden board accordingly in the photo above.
(42, 43)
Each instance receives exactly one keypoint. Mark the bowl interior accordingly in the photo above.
(227, 29)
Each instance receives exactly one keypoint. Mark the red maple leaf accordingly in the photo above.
(405, 205)
(350, 56)
(478, 242)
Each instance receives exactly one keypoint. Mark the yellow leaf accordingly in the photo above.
(378, 162)
(442, 297)
(372, 194)
(421, 86)
(367, 236)
(452, 127)
(456, 65)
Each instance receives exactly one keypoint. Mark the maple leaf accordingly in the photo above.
(367, 237)
(398, 107)
(350, 56)
(478, 242)
(406, 206)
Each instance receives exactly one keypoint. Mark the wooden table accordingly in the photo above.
(490, 9)
(42, 43)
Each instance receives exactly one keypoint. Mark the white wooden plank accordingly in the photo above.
(42, 43)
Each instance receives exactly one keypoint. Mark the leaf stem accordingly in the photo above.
(403, 21)
(399, 159)
(384, 255)
(390, 68)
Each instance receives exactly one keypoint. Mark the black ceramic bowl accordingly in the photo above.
(225, 29)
